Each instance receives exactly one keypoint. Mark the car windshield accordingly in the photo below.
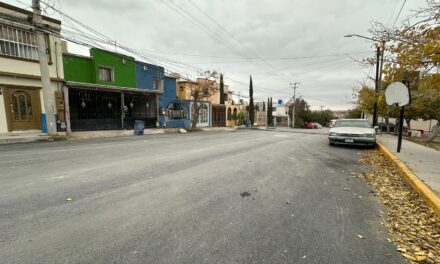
(352, 123)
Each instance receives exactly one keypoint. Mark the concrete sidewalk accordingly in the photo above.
(423, 161)
(22, 136)
(37, 135)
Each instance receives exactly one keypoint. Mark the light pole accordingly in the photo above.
(294, 86)
(379, 65)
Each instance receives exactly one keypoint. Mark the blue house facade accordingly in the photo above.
(174, 113)
(149, 76)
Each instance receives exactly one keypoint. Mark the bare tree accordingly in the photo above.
(205, 88)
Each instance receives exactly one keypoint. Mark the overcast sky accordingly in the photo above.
(267, 39)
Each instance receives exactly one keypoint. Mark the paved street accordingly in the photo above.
(175, 198)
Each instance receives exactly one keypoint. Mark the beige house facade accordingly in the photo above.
(21, 95)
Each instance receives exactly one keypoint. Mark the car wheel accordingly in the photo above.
(331, 143)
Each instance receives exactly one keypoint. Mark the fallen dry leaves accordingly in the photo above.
(413, 225)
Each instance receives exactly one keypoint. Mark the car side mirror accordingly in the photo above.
(376, 127)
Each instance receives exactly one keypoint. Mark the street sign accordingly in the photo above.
(397, 94)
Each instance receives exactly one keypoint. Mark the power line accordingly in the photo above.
(403, 4)
(232, 36)
(200, 25)
(107, 41)
(396, 4)
(208, 31)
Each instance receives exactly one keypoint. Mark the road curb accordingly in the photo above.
(428, 195)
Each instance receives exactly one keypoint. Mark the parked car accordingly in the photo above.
(352, 132)
(317, 125)
(310, 125)
(383, 127)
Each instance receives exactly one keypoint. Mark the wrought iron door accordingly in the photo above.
(94, 110)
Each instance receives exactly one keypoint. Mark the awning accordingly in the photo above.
(96, 87)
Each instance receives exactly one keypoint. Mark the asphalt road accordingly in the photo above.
(175, 198)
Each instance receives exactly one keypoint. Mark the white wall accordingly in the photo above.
(281, 110)
(3, 123)
(416, 124)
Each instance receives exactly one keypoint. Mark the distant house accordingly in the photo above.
(183, 92)
(280, 112)
(108, 90)
(21, 95)
(221, 114)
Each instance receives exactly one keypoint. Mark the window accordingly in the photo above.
(18, 43)
(181, 88)
(229, 117)
(106, 74)
(158, 84)
(203, 114)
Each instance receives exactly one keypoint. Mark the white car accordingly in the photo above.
(352, 132)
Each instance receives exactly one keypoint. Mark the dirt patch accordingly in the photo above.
(423, 141)
(414, 227)
(59, 138)
(245, 194)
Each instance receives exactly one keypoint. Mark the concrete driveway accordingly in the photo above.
(184, 198)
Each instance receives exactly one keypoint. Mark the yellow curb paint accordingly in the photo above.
(428, 195)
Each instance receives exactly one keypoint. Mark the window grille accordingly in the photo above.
(18, 42)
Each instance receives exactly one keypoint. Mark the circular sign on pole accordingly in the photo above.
(397, 94)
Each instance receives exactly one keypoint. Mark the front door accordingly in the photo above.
(23, 108)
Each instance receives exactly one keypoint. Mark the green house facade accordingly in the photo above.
(102, 92)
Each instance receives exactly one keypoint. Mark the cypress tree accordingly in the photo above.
(222, 90)
(251, 102)
(267, 113)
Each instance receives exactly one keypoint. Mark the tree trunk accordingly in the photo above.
(195, 114)
(408, 122)
(387, 122)
(435, 132)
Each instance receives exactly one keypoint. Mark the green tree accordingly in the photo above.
(269, 112)
(240, 118)
(414, 47)
(321, 117)
(354, 113)
(302, 112)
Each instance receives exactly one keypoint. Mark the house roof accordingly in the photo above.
(29, 13)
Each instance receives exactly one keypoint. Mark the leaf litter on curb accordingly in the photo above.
(413, 225)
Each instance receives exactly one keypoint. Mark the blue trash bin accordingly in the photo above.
(139, 127)
(248, 123)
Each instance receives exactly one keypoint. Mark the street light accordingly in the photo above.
(359, 36)
(379, 64)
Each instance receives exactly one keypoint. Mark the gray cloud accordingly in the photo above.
(271, 29)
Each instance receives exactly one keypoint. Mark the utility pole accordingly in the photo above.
(322, 106)
(376, 86)
(379, 64)
(48, 94)
(294, 86)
